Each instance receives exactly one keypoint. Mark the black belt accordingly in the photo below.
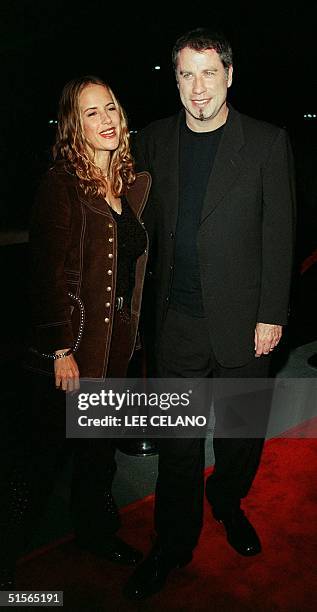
(119, 302)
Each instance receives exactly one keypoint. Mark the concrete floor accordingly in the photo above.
(136, 476)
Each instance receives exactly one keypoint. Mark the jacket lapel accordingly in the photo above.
(227, 162)
(96, 203)
(138, 193)
(169, 170)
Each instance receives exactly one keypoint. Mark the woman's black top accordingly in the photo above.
(131, 244)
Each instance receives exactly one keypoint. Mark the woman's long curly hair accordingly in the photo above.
(71, 146)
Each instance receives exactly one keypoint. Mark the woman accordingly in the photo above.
(88, 256)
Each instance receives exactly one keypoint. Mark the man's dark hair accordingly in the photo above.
(201, 39)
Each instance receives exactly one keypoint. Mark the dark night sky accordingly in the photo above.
(44, 44)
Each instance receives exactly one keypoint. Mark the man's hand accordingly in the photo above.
(66, 372)
(266, 338)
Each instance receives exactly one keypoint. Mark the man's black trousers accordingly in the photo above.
(185, 350)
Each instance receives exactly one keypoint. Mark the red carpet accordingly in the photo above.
(282, 506)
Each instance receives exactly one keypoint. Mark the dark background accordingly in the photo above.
(44, 44)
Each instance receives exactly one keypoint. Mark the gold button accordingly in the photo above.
(108, 304)
(110, 255)
(107, 320)
(109, 272)
(108, 288)
(110, 239)
(110, 225)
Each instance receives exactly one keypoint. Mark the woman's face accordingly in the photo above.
(100, 119)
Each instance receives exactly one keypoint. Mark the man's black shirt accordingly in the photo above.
(197, 152)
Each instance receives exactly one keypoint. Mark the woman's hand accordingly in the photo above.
(66, 372)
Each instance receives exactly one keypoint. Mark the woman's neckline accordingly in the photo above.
(116, 212)
(122, 198)
(113, 209)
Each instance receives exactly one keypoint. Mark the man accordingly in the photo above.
(220, 215)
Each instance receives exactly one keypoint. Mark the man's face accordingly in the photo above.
(203, 82)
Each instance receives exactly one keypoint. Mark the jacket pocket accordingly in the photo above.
(72, 278)
(72, 281)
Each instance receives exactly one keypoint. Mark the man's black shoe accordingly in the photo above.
(241, 535)
(151, 575)
(111, 548)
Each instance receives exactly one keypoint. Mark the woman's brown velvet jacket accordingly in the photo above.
(73, 248)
